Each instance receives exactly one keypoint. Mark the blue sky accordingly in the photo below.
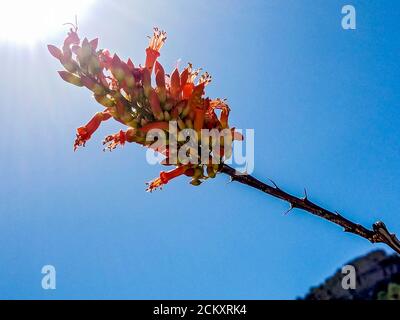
(324, 105)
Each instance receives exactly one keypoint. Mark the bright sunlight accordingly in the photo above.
(28, 21)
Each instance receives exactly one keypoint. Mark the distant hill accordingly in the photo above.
(377, 274)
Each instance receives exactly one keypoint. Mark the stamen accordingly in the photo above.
(114, 140)
(205, 78)
(158, 39)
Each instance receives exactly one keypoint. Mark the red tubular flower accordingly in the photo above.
(187, 78)
(114, 140)
(224, 118)
(187, 90)
(199, 116)
(236, 135)
(84, 133)
(152, 52)
(196, 100)
(221, 105)
(71, 39)
(165, 177)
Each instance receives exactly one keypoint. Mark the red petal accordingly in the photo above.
(155, 105)
(130, 64)
(94, 43)
(175, 83)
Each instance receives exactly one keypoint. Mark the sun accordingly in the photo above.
(30, 21)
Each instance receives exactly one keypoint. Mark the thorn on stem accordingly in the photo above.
(305, 198)
(290, 209)
(273, 183)
(338, 214)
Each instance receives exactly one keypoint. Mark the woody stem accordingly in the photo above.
(378, 234)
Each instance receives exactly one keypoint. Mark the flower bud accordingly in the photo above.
(130, 65)
(176, 111)
(71, 78)
(94, 43)
(168, 105)
(117, 69)
(199, 119)
(133, 123)
(195, 182)
(104, 100)
(146, 82)
(175, 84)
(143, 122)
(186, 111)
(184, 77)
(155, 106)
(189, 172)
(224, 117)
(211, 172)
(55, 52)
(198, 173)
(167, 116)
(84, 53)
(94, 65)
(189, 123)
(181, 124)
(98, 89)
(162, 94)
(69, 64)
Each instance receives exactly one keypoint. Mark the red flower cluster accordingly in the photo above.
(128, 96)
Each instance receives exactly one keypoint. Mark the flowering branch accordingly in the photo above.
(172, 104)
(378, 234)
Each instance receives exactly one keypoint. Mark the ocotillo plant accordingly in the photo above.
(172, 110)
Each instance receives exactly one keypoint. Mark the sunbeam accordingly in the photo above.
(27, 22)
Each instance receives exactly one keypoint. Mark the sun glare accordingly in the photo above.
(29, 21)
